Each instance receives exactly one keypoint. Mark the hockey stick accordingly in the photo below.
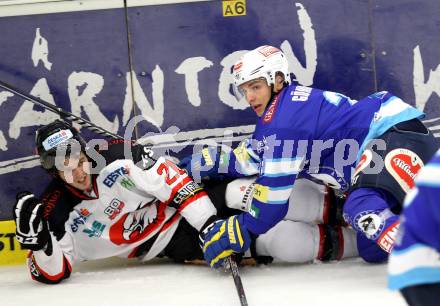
(237, 280)
(101, 131)
(59, 111)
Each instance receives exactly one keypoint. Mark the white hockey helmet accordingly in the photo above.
(262, 62)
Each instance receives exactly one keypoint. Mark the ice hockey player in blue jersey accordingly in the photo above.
(129, 202)
(414, 265)
(320, 135)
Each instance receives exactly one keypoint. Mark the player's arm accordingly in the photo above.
(46, 260)
(417, 243)
(278, 171)
(215, 163)
(272, 189)
(49, 266)
(282, 158)
(170, 184)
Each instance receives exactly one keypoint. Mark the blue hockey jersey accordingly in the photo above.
(312, 133)
(415, 259)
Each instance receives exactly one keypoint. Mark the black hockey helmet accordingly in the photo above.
(55, 136)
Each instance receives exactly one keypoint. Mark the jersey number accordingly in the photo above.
(171, 176)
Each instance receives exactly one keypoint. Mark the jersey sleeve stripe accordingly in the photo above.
(282, 166)
(429, 176)
(414, 277)
(415, 256)
(272, 195)
(418, 264)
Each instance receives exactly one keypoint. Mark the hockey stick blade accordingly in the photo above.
(59, 111)
(237, 280)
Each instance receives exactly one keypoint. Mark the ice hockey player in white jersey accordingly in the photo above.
(103, 205)
(143, 206)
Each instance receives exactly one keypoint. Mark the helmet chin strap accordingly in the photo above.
(273, 93)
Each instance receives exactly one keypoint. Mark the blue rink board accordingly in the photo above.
(361, 47)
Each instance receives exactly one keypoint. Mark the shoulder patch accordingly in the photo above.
(403, 165)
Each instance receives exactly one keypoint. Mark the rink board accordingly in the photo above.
(10, 251)
(76, 54)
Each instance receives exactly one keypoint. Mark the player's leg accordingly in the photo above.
(299, 242)
(184, 245)
(309, 202)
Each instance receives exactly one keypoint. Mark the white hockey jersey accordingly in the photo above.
(132, 211)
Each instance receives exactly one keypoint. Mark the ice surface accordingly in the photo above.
(128, 282)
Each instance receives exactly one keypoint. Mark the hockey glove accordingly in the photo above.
(32, 231)
(224, 237)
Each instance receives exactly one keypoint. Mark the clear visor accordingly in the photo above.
(238, 93)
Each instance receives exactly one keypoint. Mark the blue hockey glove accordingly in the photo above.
(224, 237)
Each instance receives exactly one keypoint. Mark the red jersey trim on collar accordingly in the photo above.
(270, 112)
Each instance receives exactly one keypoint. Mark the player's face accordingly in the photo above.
(76, 172)
(257, 94)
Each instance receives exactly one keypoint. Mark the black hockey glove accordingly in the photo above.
(31, 229)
